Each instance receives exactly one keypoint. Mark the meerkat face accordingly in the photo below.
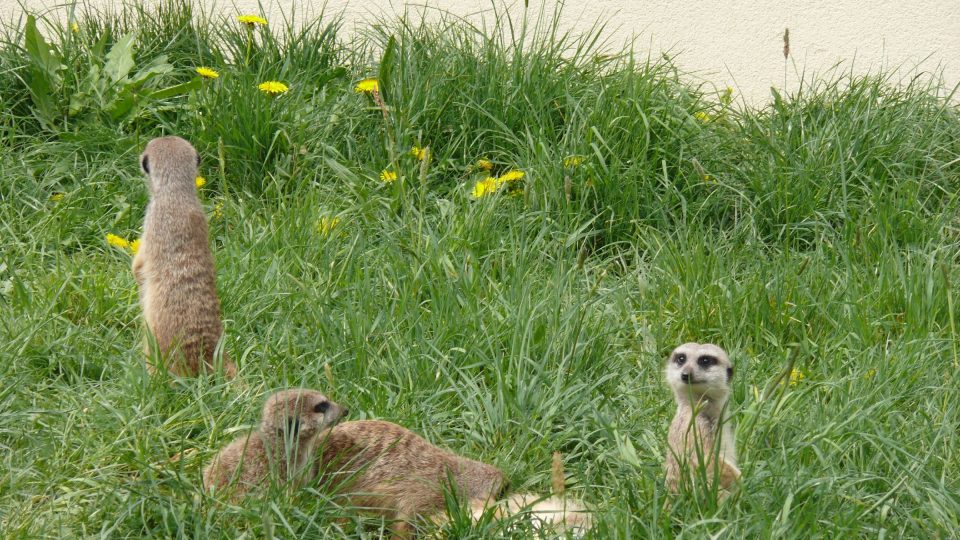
(166, 155)
(299, 413)
(699, 369)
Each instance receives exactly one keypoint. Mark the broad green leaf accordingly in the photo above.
(177, 89)
(44, 79)
(158, 66)
(120, 58)
(122, 105)
(386, 64)
(43, 55)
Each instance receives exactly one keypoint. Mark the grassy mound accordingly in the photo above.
(497, 249)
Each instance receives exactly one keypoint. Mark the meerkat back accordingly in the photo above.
(390, 470)
(174, 266)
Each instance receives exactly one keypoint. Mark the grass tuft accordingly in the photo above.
(815, 238)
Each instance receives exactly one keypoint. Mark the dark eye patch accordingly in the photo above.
(680, 359)
(321, 407)
(706, 361)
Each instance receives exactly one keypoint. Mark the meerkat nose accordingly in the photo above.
(686, 377)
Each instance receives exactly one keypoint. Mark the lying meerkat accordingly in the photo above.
(701, 433)
(174, 265)
(389, 470)
(282, 448)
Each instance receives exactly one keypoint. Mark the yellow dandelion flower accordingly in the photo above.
(56, 196)
(74, 27)
(419, 153)
(796, 376)
(368, 86)
(572, 161)
(326, 224)
(206, 72)
(135, 246)
(252, 20)
(702, 116)
(218, 210)
(117, 242)
(388, 176)
(511, 176)
(273, 88)
(485, 187)
(200, 182)
(484, 164)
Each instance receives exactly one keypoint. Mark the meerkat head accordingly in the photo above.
(170, 160)
(698, 370)
(299, 414)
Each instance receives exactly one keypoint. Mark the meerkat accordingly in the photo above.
(284, 445)
(174, 266)
(701, 432)
(386, 469)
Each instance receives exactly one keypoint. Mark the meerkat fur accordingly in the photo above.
(701, 433)
(388, 470)
(282, 449)
(174, 266)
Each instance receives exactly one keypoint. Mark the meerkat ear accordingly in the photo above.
(729, 373)
(145, 164)
(198, 159)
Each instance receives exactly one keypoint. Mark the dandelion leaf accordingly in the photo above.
(44, 72)
(386, 64)
(120, 58)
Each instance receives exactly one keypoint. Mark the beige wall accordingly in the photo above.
(725, 43)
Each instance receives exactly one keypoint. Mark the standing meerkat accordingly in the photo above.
(283, 446)
(391, 471)
(701, 433)
(174, 266)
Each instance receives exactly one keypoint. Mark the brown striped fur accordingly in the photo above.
(174, 266)
(388, 470)
(282, 449)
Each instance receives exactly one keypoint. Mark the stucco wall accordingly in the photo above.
(725, 43)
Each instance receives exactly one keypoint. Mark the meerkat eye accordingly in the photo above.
(706, 361)
(145, 164)
(680, 359)
(321, 407)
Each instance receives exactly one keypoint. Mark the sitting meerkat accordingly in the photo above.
(284, 446)
(174, 266)
(389, 470)
(701, 433)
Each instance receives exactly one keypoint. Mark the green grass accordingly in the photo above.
(819, 230)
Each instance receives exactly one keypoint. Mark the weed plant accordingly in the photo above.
(815, 238)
